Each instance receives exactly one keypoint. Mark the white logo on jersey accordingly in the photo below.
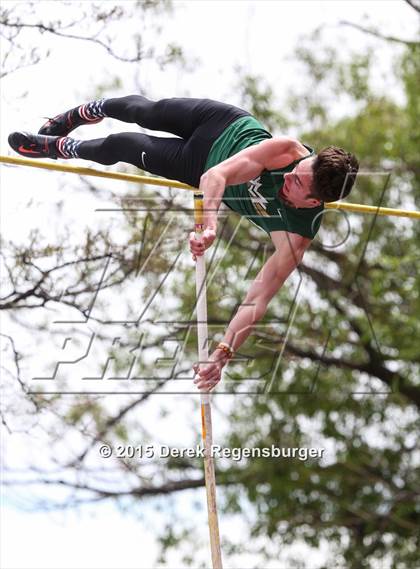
(257, 199)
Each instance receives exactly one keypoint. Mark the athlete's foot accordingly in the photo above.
(35, 145)
(63, 124)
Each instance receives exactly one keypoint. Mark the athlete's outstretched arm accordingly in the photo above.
(290, 248)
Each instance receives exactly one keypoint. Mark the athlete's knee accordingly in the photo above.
(137, 107)
(111, 148)
(129, 109)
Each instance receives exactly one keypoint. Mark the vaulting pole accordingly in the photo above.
(206, 426)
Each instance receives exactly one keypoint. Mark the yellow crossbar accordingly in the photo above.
(92, 172)
(351, 207)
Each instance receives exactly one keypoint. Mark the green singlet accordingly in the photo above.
(258, 200)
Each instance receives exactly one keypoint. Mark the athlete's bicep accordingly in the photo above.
(240, 168)
(248, 163)
(288, 243)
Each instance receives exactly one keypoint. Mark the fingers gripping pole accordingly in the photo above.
(206, 426)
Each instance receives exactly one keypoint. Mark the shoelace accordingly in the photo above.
(49, 119)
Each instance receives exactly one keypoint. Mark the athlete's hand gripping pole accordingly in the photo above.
(206, 426)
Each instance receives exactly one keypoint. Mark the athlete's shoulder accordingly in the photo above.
(303, 150)
(280, 151)
(293, 146)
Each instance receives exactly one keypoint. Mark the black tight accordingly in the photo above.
(197, 123)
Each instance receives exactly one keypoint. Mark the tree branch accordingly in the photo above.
(43, 28)
(415, 6)
(112, 421)
(410, 43)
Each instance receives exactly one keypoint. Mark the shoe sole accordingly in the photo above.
(19, 142)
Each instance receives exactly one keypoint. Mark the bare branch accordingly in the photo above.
(112, 421)
(102, 493)
(4, 422)
(43, 28)
(414, 5)
(16, 358)
(376, 34)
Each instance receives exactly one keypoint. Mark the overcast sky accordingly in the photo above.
(259, 36)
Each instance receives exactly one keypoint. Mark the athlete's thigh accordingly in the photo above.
(183, 116)
(156, 154)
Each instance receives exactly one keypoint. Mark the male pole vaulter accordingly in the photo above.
(278, 183)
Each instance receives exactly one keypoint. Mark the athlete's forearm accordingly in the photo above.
(239, 329)
(212, 184)
(241, 325)
(268, 282)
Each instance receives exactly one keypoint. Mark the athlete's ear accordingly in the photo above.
(315, 202)
(311, 197)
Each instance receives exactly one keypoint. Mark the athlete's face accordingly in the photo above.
(296, 188)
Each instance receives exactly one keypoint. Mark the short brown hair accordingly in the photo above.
(334, 172)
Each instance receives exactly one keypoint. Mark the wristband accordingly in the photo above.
(225, 348)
